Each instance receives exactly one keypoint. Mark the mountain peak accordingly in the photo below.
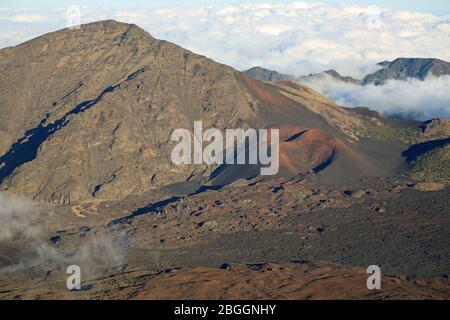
(106, 30)
(111, 25)
(403, 68)
(262, 74)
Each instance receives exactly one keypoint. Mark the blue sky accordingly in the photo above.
(438, 7)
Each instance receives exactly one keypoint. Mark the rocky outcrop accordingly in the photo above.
(262, 74)
(404, 68)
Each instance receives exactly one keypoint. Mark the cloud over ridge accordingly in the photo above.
(296, 37)
(412, 98)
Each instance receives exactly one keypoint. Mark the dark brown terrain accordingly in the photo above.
(85, 124)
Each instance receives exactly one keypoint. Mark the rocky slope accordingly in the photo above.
(404, 68)
(432, 166)
(262, 74)
(88, 113)
(399, 69)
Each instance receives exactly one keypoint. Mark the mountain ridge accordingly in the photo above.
(88, 114)
(406, 68)
(398, 69)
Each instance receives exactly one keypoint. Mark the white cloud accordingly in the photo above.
(18, 216)
(301, 38)
(129, 16)
(27, 17)
(412, 98)
(297, 37)
(26, 223)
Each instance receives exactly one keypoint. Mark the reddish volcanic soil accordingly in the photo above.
(285, 281)
(302, 280)
(272, 250)
(303, 149)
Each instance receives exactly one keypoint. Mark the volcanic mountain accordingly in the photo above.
(88, 113)
(86, 117)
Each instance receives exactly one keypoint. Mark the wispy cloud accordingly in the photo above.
(24, 225)
(18, 217)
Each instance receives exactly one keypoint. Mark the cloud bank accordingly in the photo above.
(297, 37)
(415, 99)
